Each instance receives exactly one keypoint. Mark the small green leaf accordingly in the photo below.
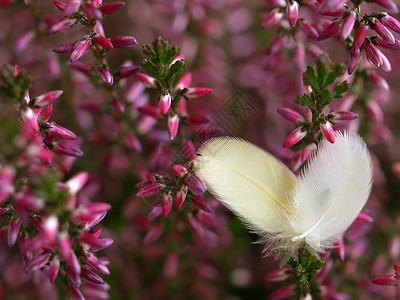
(176, 68)
(305, 100)
(150, 68)
(335, 73)
(325, 98)
(340, 88)
(310, 77)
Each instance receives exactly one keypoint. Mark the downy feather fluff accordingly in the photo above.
(285, 210)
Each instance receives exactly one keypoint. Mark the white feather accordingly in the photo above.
(285, 210)
(249, 181)
(333, 189)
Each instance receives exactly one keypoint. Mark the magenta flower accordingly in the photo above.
(296, 136)
(389, 279)
(292, 13)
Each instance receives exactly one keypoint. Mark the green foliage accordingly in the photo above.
(159, 65)
(320, 76)
(15, 85)
(305, 267)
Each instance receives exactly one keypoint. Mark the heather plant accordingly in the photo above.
(104, 106)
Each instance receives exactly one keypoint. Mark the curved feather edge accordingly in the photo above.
(332, 190)
(252, 183)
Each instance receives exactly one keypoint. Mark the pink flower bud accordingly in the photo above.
(149, 111)
(112, 7)
(292, 13)
(167, 198)
(155, 211)
(65, 48)
(360, 36)
(386, 280)
(278, 275)
(92, 10)
(340, 249)
(373, 56)
(389, 5)
(17, 70)
(383, 31)
(195, 184)
(308, 115)
(374, 111)
(331, 6)
(86, 212)
(75, 292)
(183, 82)
(172, 125)
(307, 152)
(131, 142)
(76, 182)
(106, 75)
(200, 203)
(391, 23)
(61, 26)
(342, 116)
(81, 67)
(149, 190)
(53, 66)
(81, 48)
(195, 226)
(60, 5)
(153, 234)
(126, 71)
(148, 81)
(290, 115)
(272, 19)
(117, 105)
(386, 66)
(189, 150)
(329, 31)
(23, 41)
(363, 218)
(95, 264)
(353, 60)
(102, 41)
(283, 293)
(276, 45)
(59, 131)
(296, 136)
(7, 175)
(67, 149)
(164, 102)
(299, 56)
(178, 57)
(124, 41)
(54, 268)
(384, 44)
(397, 270)
(197, 119)
(50, 228)
(37, 262)
(47, 98)
(196, 92)
(171, 265)
(309, 30)
(378, 80)
(13, 230)
(92, 239)
(327, 131)
(91, 276)
(348, 25)
(180, 196)
(179, 170)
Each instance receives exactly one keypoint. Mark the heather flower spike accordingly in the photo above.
(292, 13)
